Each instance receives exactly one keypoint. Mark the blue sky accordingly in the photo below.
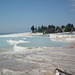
(20, 15)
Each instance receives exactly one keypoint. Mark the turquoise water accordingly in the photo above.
(33, 41)
(4, 45)
(43, 41)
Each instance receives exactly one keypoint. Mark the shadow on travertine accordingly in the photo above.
(61, 72)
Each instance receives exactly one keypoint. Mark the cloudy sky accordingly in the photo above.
(20, 15)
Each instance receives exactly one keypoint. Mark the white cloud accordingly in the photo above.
(72, 5)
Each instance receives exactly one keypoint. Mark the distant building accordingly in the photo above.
(59, 30)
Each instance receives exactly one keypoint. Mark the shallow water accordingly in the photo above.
(8, 43)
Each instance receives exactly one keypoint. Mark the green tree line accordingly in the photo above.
(53, 29)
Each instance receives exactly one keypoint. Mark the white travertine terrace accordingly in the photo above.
(67, 37)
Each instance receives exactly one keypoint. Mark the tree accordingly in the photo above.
(49, 26)
(32, 28)
(39, 29)
(43, 28)
(52, 27)
(69, 28)
(62, 26)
